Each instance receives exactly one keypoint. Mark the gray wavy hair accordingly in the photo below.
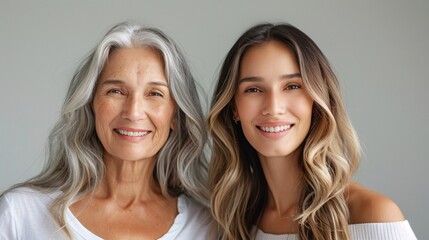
(75, 165)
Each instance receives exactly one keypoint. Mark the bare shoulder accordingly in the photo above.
(367, 206)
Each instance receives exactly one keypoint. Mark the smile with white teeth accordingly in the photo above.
(132, 134)
(275, 129)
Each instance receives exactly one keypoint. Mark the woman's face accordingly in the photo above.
(133, 105)
(271, 101)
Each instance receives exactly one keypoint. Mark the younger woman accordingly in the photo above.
(284, 150)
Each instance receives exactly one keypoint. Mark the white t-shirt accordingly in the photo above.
(366, 231)
(24, 214)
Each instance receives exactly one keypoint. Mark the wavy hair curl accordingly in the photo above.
(75, 155)
(329, 158)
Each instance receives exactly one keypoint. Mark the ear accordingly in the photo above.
(173, 124)
(176, 115)
(235, 116)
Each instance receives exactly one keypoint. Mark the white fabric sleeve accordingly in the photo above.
(382, 231)
(8, 227)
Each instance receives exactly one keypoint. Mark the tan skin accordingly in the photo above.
(132, 96)
(271, 93)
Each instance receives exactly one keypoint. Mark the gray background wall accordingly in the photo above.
(379, 50)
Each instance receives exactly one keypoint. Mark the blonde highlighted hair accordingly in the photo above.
(329, 158)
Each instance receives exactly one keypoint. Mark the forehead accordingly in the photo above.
(267, 57)
(133, 62)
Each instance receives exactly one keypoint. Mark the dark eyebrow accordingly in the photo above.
(289, 76)
(258, 79)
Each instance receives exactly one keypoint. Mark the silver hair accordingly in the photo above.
(75, 165)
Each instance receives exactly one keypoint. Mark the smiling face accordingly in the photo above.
(132, 104)
(271, 101)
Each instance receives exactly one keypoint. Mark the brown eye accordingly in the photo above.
(114, 91)
(293, 87)
(156, 94)
(252, 90)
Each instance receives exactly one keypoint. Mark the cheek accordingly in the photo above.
(104, 112)
(164, 116)
(304, 110)
(245, 109)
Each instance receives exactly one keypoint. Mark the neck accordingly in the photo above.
(283, 177)
(128, 181)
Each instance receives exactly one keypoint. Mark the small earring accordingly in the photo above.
(235, 120)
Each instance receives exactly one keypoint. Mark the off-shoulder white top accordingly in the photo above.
(367, 231)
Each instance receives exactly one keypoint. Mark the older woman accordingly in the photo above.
(126, 157)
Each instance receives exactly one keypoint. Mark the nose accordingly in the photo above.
(274, 104)
(133, 109)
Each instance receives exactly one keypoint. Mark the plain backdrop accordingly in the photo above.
(379, 50)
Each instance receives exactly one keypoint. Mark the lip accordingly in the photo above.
(131, 134)
(274, 129)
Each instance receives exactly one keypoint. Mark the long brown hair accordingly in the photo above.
(330, 155)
